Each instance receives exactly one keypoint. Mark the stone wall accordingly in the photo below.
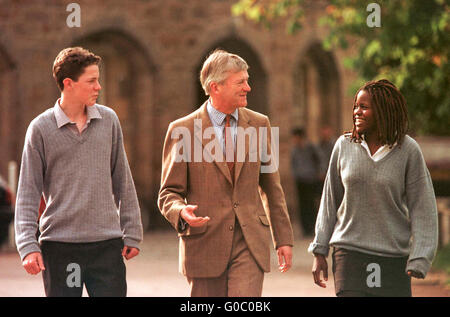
(152, 52)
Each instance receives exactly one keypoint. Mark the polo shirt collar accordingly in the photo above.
(62, 119)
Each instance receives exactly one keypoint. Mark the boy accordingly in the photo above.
(74, 155)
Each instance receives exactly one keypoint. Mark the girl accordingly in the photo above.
(378, 208)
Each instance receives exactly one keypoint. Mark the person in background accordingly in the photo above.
(6, 211)
(378, 208)
(325, 148)
(305, 166)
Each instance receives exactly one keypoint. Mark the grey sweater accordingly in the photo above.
(385, 208)
(86, 182)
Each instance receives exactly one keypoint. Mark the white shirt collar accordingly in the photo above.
(380, 153)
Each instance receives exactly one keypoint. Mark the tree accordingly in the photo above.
(410, 47)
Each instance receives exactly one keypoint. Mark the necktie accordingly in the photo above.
(229, 147)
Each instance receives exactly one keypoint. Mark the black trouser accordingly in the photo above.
(97, 265)
(5, 219)
(307, 193)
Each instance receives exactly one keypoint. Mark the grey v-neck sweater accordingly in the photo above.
(86, 182)
(386, 208)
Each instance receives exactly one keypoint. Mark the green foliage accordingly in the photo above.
(411, 48)
(265, 12)
(442, 261)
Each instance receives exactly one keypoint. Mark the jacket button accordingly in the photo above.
(231, 228)
(235, 205)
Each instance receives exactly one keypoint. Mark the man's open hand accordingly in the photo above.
(192, 220)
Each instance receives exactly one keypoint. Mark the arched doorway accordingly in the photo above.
(257, 98)
(317, 96)
(127, 77)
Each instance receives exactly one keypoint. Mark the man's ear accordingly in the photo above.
(68, 83)
(213, 87)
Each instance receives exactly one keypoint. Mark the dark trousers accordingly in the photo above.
(6, 216)
(307, 194)
(97, 265)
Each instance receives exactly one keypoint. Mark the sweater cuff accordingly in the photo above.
(420, 265)
(316, 248)
(131, 243)
(34, 247)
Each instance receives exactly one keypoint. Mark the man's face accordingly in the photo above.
(87, 88)
(233, 91)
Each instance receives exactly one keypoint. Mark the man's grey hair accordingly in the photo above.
(217, 66)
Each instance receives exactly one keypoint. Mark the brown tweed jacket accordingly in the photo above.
(205, 251)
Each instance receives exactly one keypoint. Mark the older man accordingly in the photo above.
(213, 198)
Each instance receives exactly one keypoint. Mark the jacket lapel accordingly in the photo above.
(208, 143)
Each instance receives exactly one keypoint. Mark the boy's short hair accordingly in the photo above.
(71, 62)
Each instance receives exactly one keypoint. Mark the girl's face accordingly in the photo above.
(363, 114)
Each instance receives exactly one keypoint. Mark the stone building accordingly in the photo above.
(152, 52)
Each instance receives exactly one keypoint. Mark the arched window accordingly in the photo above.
(317, 96)
(257, 98)
(128, 79)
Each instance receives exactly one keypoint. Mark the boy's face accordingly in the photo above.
(87, 88)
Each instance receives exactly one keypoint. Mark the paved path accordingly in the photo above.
(155, 273)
